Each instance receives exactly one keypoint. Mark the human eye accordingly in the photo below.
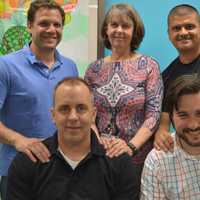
(176, 28)
(126, 26)
(114, 24)
(189, 27)
(198, 113)
(44, 24)
(64, 109)
(57, 25)
(182, 115)
(81, 108)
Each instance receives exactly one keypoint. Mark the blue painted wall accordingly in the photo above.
(154, 15)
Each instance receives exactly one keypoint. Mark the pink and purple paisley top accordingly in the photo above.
(128, 96)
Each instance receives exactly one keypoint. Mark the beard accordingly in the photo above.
(186, 134)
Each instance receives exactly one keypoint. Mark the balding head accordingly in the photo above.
(183, 10)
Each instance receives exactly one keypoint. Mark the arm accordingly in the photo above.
(163, 140)
(32, 147)
(151, 185)
(20, 179)
(153, 101)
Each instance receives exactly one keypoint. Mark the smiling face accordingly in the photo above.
(73, 114)
(187, 122)
(120, 32)
(184, 32)
(46, 29)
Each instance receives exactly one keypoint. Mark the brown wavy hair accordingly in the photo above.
(48, 4)
(126, 11)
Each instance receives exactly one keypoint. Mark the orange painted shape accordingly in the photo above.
(13, 3)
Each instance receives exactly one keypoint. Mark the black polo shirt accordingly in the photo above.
(175, 70)
(97, 177)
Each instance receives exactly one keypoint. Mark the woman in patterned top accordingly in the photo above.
(127, 87)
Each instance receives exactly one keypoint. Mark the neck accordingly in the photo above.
(44, 55)
(194, 151)
(118, 54)
(189, 56)
(75, 151)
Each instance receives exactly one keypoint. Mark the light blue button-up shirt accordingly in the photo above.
(26, 96)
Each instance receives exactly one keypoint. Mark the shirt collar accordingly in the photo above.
(96, 147)
(32, 58)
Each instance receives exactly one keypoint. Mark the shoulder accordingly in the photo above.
(67, 60)
(96, 64)
(22, 158)
(159, 160)
(68, 64)
(148, 63)
(7, 58)
(154, 156)
(20, 165)
(122, 162)
(13, 59)
(148, 59)
(93, 70)
(171, 66)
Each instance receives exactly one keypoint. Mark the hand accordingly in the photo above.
(117, 147)
(33, 148)
(105, 140)
(163, 141)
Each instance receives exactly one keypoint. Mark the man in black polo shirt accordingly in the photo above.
(78, 168)
(184, 33)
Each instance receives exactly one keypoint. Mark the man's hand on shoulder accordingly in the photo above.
(163, 141)
(32, 147)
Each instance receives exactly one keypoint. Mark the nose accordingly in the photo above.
(73, 115)
(119, 28)
(184, 31)
(193, 123)
(51, 28)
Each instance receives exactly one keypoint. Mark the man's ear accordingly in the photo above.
(29, 25)
(52, 114)
(168, 33)
(94, 115)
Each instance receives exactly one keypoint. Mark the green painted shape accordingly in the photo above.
(14, 39)
(79, 25)
(82, 66)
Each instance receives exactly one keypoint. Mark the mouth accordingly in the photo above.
(185, 40)
(50, 38)
(119, 38)
(192, 133)
(72, 128)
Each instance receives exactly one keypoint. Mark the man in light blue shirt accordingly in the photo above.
(27, 80)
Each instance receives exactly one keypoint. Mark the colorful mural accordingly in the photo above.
(13, 32)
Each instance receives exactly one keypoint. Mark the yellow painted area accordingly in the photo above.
(67, 18)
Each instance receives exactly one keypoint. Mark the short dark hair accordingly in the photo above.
(72, 81)
(48, 4)
(131, 13)
(182, 10)
(183, 85)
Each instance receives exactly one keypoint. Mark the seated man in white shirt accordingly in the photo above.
(176, 175)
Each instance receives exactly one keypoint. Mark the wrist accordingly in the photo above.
(132, 147)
